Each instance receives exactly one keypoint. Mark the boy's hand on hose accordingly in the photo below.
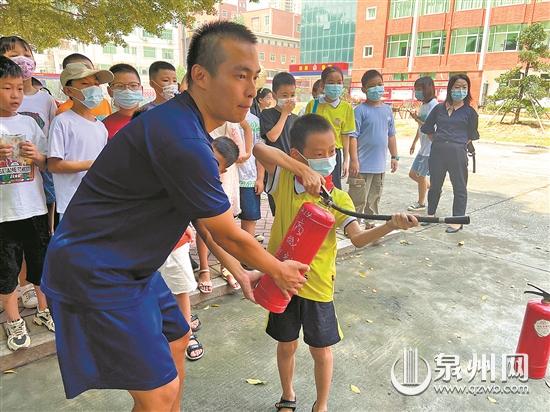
(402, 221)
(289, 277)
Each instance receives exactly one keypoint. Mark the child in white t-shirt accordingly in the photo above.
(23, 213)
(76, 136)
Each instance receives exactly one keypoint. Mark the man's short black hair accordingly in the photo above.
(282, 79)
(227, 148)
(157, 66)
(304, 126)
(205, 48)
(7, 43)
(124, 68)
(8, 68)
(329, 70)
(75, 58)
(370, 74)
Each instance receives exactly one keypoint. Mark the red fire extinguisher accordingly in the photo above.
(301, 243)
(534, 339)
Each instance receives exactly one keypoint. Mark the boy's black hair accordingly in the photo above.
(36, 82)
(124, 68)
(227, 148)
(328, 70)
(262, 93)
(206, 49)
(7, 43)
(451, 83)
(8, 68)
(426, 83)
(75, 58)
(370, 74)
(157, 66)
(305, 125)
(316, 86)
(282, 79)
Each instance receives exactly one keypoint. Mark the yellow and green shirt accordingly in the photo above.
(339, 114)
(289, 196)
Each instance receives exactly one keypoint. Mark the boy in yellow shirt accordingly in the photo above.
(312, 142)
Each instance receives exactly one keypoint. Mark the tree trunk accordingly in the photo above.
(520, 95)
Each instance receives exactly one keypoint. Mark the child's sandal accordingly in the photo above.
(286, 404)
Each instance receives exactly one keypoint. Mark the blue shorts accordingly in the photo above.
(120, 348)
(420, 165)
(250, 204)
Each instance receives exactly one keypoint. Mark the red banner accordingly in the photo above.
(306, 69)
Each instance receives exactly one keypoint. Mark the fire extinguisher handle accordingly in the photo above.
(539, 292)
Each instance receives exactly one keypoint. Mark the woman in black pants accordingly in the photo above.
(451, 125)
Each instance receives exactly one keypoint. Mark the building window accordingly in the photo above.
(398, 45)
(148, 35)
(431, 43)
(434, 6)
(266, 23)
(224, 14)
(371, 13)
(298, 27)
(272, 57)
(428, 74)
(109, 48)
(167, 54)
(261, 56)
(255, 23)
(149, 52)
(166, 34)
(367, 51)
(283, 58)
(401, 8)
(292, 59)
(400, 76)
(469, 4)
(466, 40)
(504, 38)
(499, 3)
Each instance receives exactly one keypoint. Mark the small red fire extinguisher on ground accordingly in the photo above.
(534, 339)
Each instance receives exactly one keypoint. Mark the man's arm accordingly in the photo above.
(57, 165)
(392, 146)
(287, 275)
(360, 238)
(271, 157)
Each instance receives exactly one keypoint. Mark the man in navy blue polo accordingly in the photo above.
(117, 324)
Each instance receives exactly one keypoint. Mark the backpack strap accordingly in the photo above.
(315, 105)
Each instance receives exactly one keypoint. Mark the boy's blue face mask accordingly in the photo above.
(324, 166)
(375, 93)
(93, 95)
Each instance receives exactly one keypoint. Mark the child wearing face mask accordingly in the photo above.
(76, 136)
(126, 93)
(339, 113)
(374, 136)
(163, 80)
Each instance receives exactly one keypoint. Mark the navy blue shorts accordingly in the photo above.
(250, 204)
(318, 319)
(120, 348)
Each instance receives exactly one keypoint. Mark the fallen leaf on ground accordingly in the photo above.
(429, 265)
(215, 305)
(461, 243)
(427, 259)
(374, 291)
(206, 307)
(492, 400)
(355, 389)
(363, 275)
(484, 297)
(404, 242)
(371, 268)
(255, 382)
(368, 320)
(386, 253)
(9, 371)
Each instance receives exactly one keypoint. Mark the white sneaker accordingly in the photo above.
(416, 207)
(17, 334)
(28, 296)
(44, 318)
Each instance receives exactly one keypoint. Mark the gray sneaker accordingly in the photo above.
(44, 318)
(17, 334)
(28, 296)
(416, 207)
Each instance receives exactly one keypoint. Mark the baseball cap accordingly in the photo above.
(75, 71)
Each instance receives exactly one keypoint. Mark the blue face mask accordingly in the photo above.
(375, 93)
(323, 166)
(127, 99)
(419, 95)
(93, 95)
(333, 91)
(458, 94)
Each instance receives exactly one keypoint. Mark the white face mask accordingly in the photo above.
(168, 91)
(282, 102)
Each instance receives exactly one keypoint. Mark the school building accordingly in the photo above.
(406, 39)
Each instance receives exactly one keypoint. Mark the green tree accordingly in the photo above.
(45, 22)
(518, 89)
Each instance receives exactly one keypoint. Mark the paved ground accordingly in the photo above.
(418, 289)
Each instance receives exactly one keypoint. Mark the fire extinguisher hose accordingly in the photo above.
(328, 201)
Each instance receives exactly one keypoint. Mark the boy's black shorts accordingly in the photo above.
(29, 238)
(317, 318)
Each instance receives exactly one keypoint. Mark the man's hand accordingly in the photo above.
(259, 187)
(248, 283)
(354, 168)
(393, 164)
(411, 150)
(6, 151)
(311, 180)
(345, 167)
(402, 221)
(289, 278)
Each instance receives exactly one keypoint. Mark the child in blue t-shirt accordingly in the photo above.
(374, 135)
(424, 90)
